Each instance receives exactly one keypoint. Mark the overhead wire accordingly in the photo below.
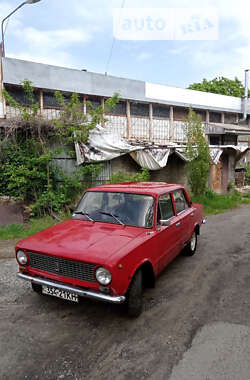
(113, 41)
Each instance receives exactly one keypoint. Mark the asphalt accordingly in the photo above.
(195, 323)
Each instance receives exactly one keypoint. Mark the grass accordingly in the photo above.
(216, 203)
(21, 231)
(213, 204)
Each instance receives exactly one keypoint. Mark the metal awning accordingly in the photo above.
(222, 129)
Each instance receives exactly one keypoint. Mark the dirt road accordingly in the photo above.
(46, 338)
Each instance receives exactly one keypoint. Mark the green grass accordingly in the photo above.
(21, 231)
(216, 203)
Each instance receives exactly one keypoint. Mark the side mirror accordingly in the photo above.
(165, 222)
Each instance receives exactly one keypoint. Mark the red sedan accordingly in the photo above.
(119, 239)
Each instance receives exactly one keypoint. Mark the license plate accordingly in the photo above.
(55, 292)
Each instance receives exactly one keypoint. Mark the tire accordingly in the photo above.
(36, 288)
(134, 295)
(192, 245)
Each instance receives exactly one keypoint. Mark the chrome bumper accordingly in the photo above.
(79, 292)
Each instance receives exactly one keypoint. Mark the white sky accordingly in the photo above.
(79, 34)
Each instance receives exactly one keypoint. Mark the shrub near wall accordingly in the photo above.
(27, 170)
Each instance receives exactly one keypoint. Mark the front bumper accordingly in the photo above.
(80, 292)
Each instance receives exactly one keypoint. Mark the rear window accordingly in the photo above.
(165, 208)
(181, 203)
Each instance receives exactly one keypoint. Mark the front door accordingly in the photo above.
(166, 237)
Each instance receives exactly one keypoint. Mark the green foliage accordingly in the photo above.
(126, 177)
(27, 169)
(27, 112)
(216, 203)
(197, 152)
(220, 85)
(73, 124)
(247, 177)
(21, 231)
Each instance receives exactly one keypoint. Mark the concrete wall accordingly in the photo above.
(124, 164)
(174, 172)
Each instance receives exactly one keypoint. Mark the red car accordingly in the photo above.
(118, 240)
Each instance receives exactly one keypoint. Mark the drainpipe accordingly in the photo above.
(245, 99)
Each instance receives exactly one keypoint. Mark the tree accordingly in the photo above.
(220, 85)
(197, 152)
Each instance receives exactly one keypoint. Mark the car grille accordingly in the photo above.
(64, 267)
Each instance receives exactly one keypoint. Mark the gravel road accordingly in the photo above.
(47, 338)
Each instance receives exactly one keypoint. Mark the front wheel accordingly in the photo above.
(134, 295)
(192, 245)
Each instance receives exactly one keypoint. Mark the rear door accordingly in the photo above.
(183, 217)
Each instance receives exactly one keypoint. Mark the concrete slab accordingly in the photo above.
(220, 351)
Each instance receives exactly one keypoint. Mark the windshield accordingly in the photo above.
(119, 208)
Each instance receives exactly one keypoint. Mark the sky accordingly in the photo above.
(79, 34)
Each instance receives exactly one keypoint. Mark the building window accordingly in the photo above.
(161, 111)
(118, 109)
(215, 140)
(139, 109)
(180, 113)
(230, 118)
(202, 114)
(20, 96)
(215, 117)
(230, 139)
(94, 100)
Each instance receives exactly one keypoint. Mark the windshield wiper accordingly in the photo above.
(113, 216)
(83, 213)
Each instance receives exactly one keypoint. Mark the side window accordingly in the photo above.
(180, 201)
(165, 207)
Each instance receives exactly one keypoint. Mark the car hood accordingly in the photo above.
(82, 240)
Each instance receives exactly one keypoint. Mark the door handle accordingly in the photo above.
(192, 214)
(178, 224)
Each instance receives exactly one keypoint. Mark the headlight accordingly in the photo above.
(103, 276)
(22, 257)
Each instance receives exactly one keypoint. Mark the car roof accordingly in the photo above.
(153, 188)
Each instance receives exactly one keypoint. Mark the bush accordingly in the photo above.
(247, 177)
(197, 152)
(127, 177)
(27, 169)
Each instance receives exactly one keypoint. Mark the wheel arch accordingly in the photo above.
(148, 274)
(197, 229)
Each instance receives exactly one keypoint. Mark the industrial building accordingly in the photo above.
(148, 119)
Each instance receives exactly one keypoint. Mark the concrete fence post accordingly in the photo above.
(128, 120)
(150, 121)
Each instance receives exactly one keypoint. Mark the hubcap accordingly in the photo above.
(193, 242)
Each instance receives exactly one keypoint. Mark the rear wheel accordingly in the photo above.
(191, 246)
(134, 295)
